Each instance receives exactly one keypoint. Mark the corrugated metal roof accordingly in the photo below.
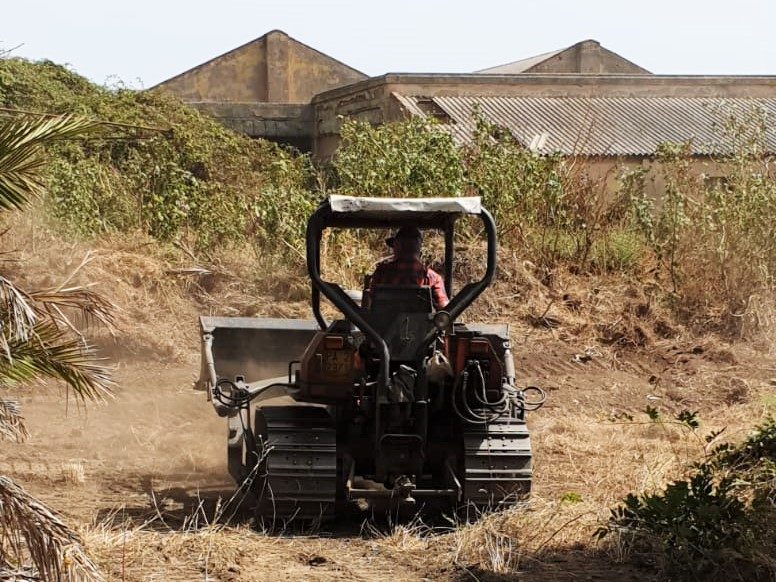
(606, 126)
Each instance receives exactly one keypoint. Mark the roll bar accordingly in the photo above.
(423, 213)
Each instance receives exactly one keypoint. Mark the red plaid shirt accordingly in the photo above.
(411, 272)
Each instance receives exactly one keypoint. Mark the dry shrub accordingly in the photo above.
(73, 473)
(713, 239)
(160, 289)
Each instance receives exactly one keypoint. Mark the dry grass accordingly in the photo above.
(585, 465)
(588, 455)
(73, 473)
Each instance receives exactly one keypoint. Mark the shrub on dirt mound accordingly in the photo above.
(161, 167)
(717, 524)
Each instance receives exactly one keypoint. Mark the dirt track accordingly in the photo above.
(156, 452)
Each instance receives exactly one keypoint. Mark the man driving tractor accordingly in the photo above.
(405, 267)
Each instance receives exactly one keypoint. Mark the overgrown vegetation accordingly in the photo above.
(718, 523)
(706, 246)
(712, 238)
(166, 170)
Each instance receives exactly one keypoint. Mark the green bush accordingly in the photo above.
(412, 158)
(718, 524)
(180, 176)
(618, 251)
(166, 169)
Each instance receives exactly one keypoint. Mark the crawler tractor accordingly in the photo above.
(394, 404)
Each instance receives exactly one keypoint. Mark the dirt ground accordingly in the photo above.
(129, 472)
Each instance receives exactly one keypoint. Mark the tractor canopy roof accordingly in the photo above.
(362, 212)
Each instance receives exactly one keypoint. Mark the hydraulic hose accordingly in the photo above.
(482, 396)
(469, 416)
(490, 411)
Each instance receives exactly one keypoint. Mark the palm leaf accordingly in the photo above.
(37, 337)
(30, 531)
(17, 316)
(92, 306)
(22, 159)
(11, 421)
(54, 353)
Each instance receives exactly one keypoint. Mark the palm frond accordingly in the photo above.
(22, 155)
(54, 353)
(11, 421)
(16, 312)
(17, 316)
(94, 307)
(29, 531)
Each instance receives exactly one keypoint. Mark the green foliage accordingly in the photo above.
(712, 237)
(190, 179)
(571, 497)
(522, 189)
(689, 419)
(718, 523)
(413, 158)
(22, 159)
(619, 250)
(707, 245)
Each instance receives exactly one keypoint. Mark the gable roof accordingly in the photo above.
(521, 66)
(587, 56)
(601, 126)
(263, 61)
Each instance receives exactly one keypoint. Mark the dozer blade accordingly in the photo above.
(252, 347)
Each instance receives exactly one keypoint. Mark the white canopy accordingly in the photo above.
(387, 206)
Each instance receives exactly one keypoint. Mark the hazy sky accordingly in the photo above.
(143, 42)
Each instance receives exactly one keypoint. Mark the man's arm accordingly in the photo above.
(438, 289)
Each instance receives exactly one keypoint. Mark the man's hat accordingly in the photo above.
(405, 233)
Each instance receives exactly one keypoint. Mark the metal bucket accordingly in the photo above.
(252, 347)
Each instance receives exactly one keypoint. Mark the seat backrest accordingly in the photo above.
(400, 314)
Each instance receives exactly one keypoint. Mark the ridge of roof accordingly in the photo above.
(525, 65)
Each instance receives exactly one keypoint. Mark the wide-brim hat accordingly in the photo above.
(405, 232)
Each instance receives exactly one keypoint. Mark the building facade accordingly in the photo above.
(584, 100)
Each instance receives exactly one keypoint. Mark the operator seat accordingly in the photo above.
(402, 316)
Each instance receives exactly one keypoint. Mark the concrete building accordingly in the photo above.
(584, 100)
(264, 88)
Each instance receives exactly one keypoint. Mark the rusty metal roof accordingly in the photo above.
(604, 126)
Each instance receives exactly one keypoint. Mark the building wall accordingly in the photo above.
(286, 123)
(264, 88)
(240, 75)
(272, 69)
(309, 72)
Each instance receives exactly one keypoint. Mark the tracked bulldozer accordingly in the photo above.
(395, 404)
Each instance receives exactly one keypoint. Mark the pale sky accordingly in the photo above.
(143, 42)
